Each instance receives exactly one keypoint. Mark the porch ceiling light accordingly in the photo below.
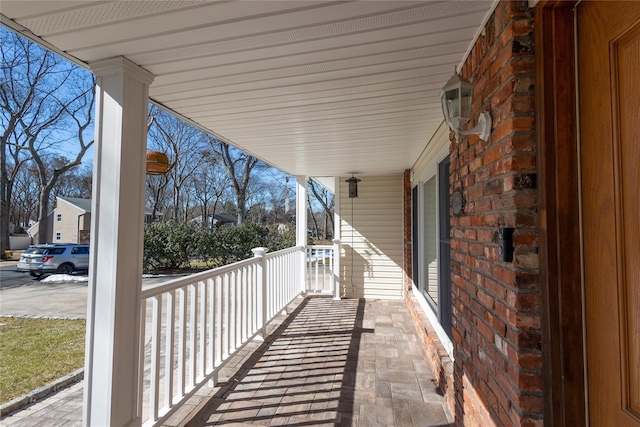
(353, 186)
(455, 98)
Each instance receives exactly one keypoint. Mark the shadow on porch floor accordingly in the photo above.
(335, 363)
(347, 363)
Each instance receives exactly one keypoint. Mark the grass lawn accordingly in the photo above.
(34, 352)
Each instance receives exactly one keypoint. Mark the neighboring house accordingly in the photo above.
(547, 336)
(70, 221)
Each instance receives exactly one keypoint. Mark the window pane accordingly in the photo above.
(431, 243)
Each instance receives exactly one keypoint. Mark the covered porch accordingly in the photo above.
(331, 362)
(330, 90)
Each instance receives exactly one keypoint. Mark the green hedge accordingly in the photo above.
(174, 244)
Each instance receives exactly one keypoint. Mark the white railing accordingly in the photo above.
(320, 269)
(193, 325)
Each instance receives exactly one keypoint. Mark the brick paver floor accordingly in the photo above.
(346, 363)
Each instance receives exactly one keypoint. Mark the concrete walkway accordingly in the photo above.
(334, 363)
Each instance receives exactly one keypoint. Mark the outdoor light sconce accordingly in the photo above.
(456, 107)
(353, 187)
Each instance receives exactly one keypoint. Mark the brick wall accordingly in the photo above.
(496, 306)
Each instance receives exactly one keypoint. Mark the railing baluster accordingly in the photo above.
(212, 326)
(141, 356)
(238, 302)
(169, 337)
(182, 331)
(225, 317)
(243, 301)
(202, 338)
(232, 311)
(154, 390)
(193, 292)
(218, 320)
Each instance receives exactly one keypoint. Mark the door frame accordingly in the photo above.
(561, 285)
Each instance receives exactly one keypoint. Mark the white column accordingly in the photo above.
(336, 239)
(112, 357)
(301, 227)
(301, 211)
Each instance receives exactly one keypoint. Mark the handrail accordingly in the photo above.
(199, 322)
(179, 282)
(320, 274)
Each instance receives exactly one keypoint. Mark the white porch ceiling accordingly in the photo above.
(313, 88)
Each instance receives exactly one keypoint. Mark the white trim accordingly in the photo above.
(433, 319)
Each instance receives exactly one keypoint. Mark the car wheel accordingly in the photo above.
(35, 274)
(65, 269)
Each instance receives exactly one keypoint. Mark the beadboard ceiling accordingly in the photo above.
(313, 88)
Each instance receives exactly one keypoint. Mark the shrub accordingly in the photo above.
(169, 244)
(173, 244)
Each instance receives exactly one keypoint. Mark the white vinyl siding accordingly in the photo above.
(374, 228)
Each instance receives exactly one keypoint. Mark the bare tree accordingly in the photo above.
(326, 200)
(41, 96)
(239, 166)
(24, 197)
(75, 183)
(209, 184)
(186, 148)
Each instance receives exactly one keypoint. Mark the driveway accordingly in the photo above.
(32, 298)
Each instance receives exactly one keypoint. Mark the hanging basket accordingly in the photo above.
(157, 163)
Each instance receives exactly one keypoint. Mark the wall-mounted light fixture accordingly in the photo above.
(353, 186)
(456, 107)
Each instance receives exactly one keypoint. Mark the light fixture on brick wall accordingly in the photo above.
(456, 107)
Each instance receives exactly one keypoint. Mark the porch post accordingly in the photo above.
(301, 226)
(336, 239)
(112, 356)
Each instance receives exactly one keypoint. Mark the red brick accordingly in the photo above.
(505, 275)
(485, 235)
(529, 361)
(519, 143)
(510, 125)
(517, 105)
(514, 164)
(492, 155)
(526, 381)
(494, 220)
(505, 92)
(475, 191)
(525, 239)
(476, 249)
(476, 220)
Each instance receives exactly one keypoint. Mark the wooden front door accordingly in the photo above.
(609, 105)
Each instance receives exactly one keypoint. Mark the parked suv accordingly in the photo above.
(54, 258)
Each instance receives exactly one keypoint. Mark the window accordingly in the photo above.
(59, 217)
(431, 243)
(80, 250)
(58, 236)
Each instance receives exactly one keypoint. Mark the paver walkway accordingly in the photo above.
(345, 363)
